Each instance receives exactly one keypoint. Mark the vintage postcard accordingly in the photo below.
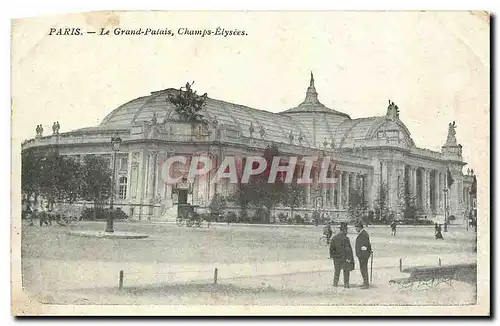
(251, 163)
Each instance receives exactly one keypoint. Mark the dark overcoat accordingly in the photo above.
(363, 245)
(340, 249)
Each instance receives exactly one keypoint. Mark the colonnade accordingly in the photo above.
(427, 187)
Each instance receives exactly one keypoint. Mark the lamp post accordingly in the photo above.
(115, 142)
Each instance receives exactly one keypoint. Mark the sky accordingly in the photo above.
(433, 65)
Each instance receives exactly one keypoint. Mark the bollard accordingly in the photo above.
(120, 283)
(400, 264)
(439, 262)
(216, 272)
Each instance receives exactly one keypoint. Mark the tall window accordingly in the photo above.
(123, 163)
(122, 190)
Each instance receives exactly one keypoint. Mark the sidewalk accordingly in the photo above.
(73, 275)
(384, 226)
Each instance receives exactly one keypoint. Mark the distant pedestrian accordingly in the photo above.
(327, 232)
(29, 214)
(393, 228)
(363, 252)
(45, 216)
(438, 235)
(342, 255)
(315, 216)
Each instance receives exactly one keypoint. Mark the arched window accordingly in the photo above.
(122, 190)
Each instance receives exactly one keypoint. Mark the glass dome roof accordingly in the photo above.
(318, 125)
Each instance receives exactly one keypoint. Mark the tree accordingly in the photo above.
(381, 204)
(30, 174)
(410, 206)
(258, 192)
(188, 104)
(293, 194)
(218, 204)
(357, 206)
(59, 178)
(96, 181)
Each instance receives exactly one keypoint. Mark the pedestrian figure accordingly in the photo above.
(363, 252)
(342, 255)
(29, 214)
(393, 228)
(327, 232)
(315, 217)
(45, 217)
(439, 235)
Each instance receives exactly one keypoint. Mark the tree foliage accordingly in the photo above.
(293, 195)
(258, 192)
(381, 204)
(96, 179)
(30, 173)
(218, 204)
(410, 206)
(59, 178)
(188, 104)
(357, 206)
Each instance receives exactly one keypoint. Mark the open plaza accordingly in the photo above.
(252, 264)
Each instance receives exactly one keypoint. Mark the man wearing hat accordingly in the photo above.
(363, 252)
(341, 253)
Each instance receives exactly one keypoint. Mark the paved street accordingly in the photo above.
(281, 265)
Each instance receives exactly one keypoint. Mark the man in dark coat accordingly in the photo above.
(341, 253)
(363, 252)
(393, 228)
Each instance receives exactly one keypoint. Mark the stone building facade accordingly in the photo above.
(367, 152)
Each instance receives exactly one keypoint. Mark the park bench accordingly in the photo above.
(431, 276)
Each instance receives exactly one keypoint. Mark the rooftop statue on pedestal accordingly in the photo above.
(392, 111)
(39, 131)
(452, 139)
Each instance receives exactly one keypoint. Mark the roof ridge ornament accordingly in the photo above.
(311, 94)
(451, 139)
(392, 111)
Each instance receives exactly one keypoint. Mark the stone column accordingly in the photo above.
(141, 182)
(423, 189)
(211, 186)
(369, 195)
(436, 190)
(366, 193)
(326, 200)
(151, 184)
(410, 180)
(129, 175)
(467, 196)
(332, 188)
(339, 188)
(414, 181)
(348, 189)
(308, 194)
(375, 179)
(441, 192)
(428, 189)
